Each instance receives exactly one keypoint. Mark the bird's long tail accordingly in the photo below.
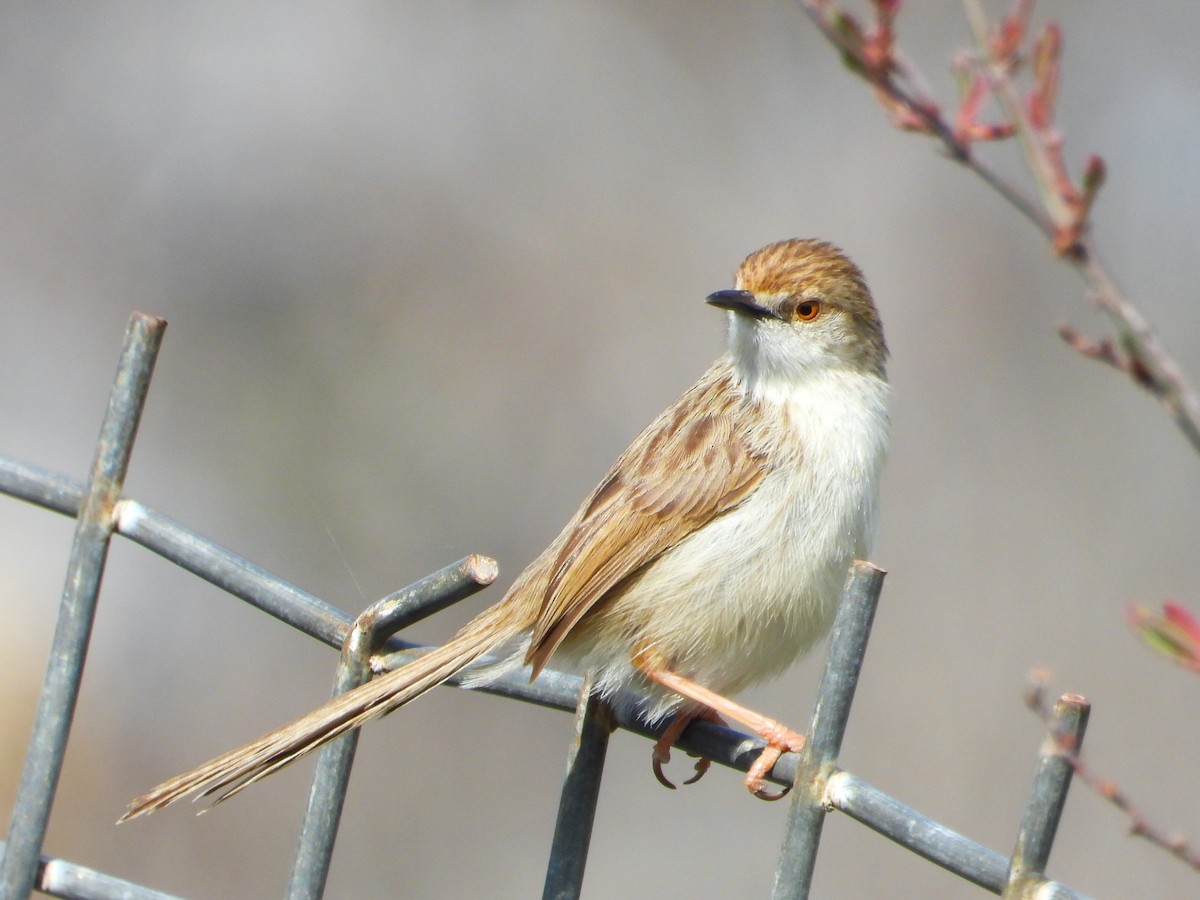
(236, 770)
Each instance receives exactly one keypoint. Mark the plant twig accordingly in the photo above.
(1061, 210)
(1106, 789)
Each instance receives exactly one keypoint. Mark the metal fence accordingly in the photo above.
(820, 785)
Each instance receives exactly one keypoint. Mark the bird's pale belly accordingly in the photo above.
(730, 606)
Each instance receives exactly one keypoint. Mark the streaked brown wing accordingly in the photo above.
(685, 469)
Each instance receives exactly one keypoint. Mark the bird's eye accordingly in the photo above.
(808, 310)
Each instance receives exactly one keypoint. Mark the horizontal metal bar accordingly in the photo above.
(233, 574)
(430, 595)
(41, 487)
(918, 833)
(188, 550)
(560, 690)
(71, 881)
(925, 837)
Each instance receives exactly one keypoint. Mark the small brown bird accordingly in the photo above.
(709, 557)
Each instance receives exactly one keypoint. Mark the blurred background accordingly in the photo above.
(429, 268)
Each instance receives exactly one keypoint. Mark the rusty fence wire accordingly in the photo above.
(820, 785)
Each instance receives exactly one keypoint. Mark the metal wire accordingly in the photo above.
(77, 611)
(580, 796)
(59, 878)
(843, 662)
(820, 786)
(186, 549)
(1047, 796)
(332, 778)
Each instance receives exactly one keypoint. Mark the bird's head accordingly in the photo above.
(799, 307)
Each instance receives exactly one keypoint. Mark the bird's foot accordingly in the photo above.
(662, 748)
(779, 740)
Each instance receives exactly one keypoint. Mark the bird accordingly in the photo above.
(709, 557)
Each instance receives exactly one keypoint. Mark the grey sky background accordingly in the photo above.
(428, 269)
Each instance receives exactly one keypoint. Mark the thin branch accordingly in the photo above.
(1146, 359)
(1061, 210)
(917, 103)
(1139, 825)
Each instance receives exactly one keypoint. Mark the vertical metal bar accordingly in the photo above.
(327, 796)
(1048, 794)
(314, 851)
(580, 795)
(77, 610)
(847, 645)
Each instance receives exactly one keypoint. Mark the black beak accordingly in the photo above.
(741, 302)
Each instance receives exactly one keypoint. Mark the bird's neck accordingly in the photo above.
(784, 378)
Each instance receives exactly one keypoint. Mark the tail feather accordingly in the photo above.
(236, 770)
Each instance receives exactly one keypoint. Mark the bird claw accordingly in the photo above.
(702, 766)
(662, 749)
(661, 758)
(657, 764)
(763, 794)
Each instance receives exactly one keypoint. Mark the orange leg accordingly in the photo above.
(780, 739)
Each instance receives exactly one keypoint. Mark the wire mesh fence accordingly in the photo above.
(820, 785)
